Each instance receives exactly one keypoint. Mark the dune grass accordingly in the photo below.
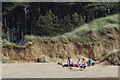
(87, 31)
(7, 43)
(84, 33)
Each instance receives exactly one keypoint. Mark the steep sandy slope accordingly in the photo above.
(112, 58)
(93, 40)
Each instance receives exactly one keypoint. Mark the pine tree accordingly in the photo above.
(48, 24)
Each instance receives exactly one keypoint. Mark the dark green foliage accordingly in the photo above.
(77, 20)
(50, 19)
(47, 25)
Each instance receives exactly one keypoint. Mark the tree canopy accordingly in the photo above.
(50, 18)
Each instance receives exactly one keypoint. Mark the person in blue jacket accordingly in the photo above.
(89, 63)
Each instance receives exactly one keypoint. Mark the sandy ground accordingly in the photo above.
(0, 70)
(52, 70)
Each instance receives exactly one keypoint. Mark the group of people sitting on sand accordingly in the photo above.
(82, 64)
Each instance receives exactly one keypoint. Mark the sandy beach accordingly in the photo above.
(0, 70)
(52, 70)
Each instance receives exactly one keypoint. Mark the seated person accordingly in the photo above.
(69, 63)
(89, 62)
(78, 63)
(83, 64)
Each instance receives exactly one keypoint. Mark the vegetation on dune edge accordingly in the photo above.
(84, 34)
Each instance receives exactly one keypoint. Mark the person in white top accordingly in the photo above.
(69, 63)
(78, 63)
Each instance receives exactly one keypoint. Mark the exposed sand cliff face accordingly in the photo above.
(112, 58)
(60, 49)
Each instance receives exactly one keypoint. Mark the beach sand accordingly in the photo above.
(52, 70)
(0, 70)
